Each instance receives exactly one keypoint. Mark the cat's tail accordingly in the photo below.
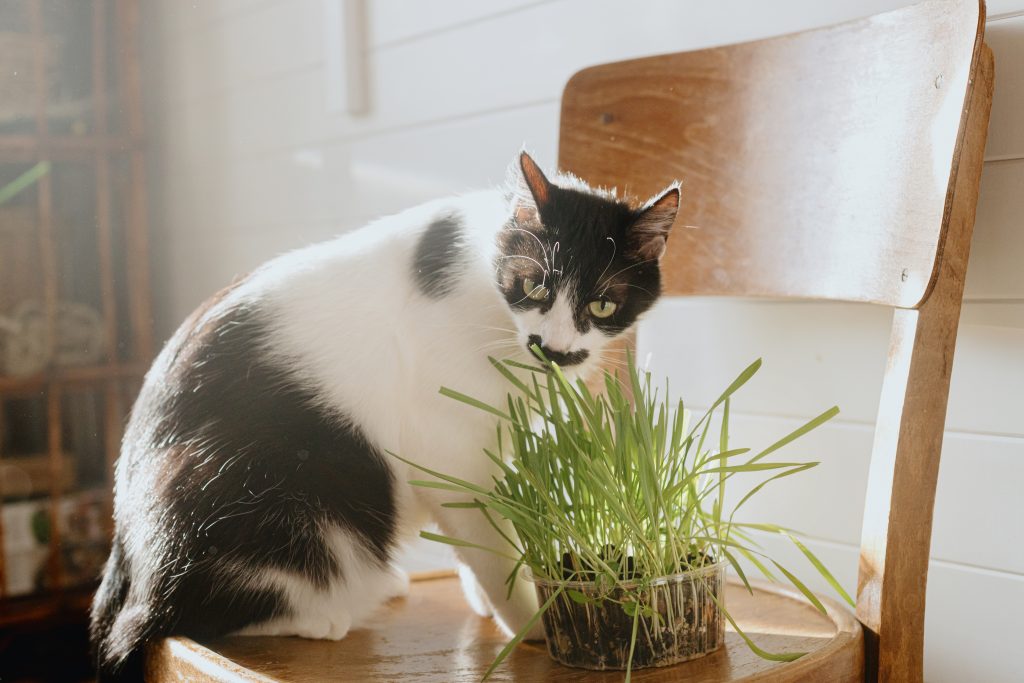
(118, 631)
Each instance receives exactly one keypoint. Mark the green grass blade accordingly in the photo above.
(458, 543)
(763, 654)
(734, 563)
(470, 401)
(825, 573)
(808, 593)
(799, 431)
(518, 638)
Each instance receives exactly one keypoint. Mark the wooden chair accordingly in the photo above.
(841, 164)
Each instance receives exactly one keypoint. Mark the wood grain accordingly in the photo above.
(814, 165)
(433, 636)
(896, 537)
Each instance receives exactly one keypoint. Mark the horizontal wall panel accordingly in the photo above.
(243, 50)
(957, 647)
(391, 21)
(460, 72)
(997, 314)
(997, 8)
(814, 355)
(365, 178)
(978, 476)
(1006, 125)
(996, 268)
(817, 355)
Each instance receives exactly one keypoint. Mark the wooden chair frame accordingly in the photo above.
(693, 116)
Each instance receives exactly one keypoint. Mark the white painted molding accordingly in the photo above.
(346, 39)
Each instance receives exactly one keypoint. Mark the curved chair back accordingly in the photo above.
(841, 163)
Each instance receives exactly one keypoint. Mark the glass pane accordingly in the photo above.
(24, 485)
(26, 478)
(84, 543)
(21, 280)
(67, 35)
(81, 336)
(17, 81)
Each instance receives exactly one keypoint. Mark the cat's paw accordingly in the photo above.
(397, 583)
(340, 626)
(475, 595)
(321, 627)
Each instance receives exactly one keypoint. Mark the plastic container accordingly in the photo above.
(678, 620)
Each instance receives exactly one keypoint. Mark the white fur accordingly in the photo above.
(329, 614)
(557, 327)
(351, 319)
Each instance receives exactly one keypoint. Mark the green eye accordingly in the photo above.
(602, 308)
(535, 291)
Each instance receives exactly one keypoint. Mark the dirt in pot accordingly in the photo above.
(592, 628)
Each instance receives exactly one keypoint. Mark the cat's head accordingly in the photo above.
(577, 266)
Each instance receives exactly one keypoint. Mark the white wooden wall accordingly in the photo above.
(248, 162)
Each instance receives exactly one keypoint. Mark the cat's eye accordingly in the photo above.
(602, 308)
(535, 291)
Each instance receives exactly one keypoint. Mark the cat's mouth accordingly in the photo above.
(563, 359)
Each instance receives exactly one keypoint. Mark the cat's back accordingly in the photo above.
(382, 254)
(334, 307)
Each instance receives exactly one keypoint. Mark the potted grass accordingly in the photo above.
(618, 503)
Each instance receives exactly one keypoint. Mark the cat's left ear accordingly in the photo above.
(532, 189)
(648, 236)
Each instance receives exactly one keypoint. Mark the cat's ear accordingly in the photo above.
(532, 189)
(648, 235)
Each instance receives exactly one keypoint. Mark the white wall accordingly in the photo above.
(248, 162)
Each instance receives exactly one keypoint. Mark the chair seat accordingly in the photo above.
(432, 635)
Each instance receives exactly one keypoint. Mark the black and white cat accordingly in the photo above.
(254, 493)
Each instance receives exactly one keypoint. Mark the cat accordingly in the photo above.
(255, 493)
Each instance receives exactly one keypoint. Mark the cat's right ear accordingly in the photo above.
(532, 189)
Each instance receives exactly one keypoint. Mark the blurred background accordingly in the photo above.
(153, 150)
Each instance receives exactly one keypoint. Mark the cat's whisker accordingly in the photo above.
(476, 326)
(510, 343)
(607, 281)
(523, 256)
(642, 289)
(609, 264)
(543, 249)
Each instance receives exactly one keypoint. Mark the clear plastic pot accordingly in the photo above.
(677, 620)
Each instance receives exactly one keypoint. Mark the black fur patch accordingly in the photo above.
(439, 256)
(249, 471)
(562, 358)
(581, 242)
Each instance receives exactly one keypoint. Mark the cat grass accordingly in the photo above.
(619, 490)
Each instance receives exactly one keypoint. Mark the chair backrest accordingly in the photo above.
(841, 163)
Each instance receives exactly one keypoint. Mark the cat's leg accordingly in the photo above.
(475, 595)
(328, 612)
(490, 570)
(397, 583)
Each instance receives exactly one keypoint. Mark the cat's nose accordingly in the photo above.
(562, 358)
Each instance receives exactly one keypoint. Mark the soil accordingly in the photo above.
(678, 621)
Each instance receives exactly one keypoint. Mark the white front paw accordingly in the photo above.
(397, 583)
